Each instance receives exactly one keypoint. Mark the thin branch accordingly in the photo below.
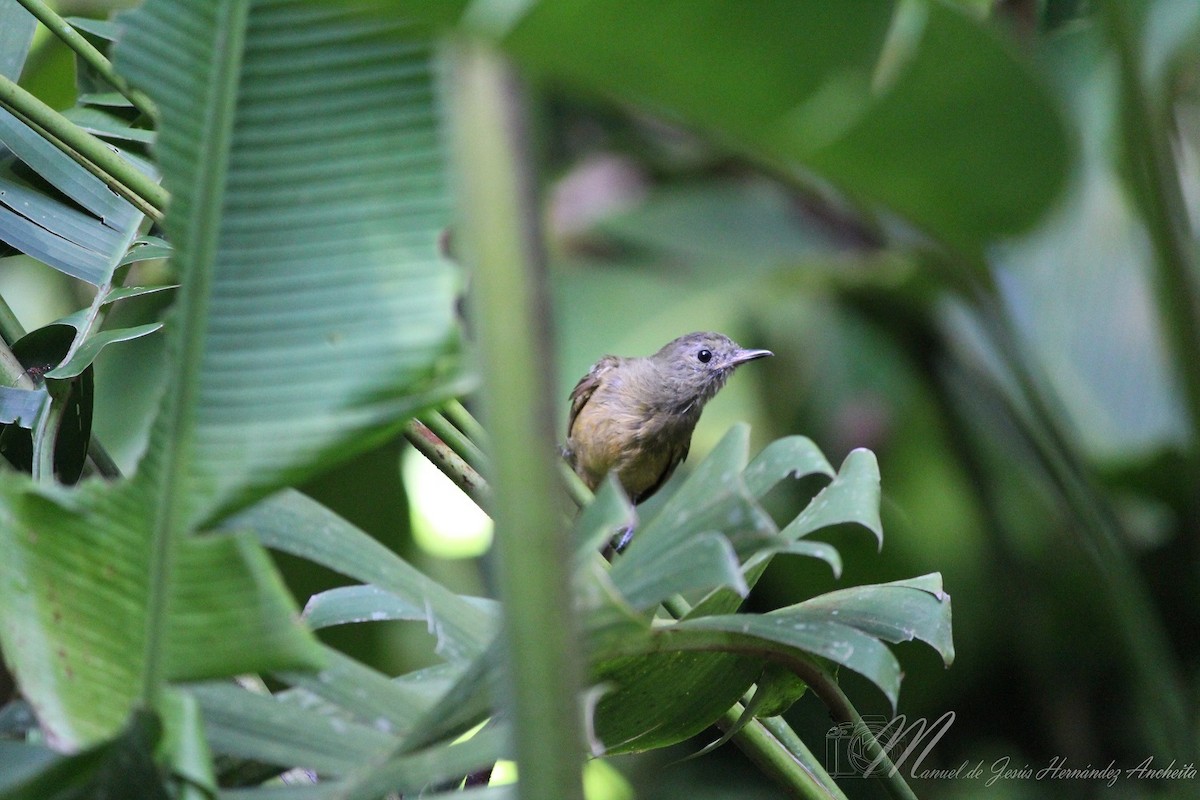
(83, 147)
(447, 459)
(457, 440)
(90, 55)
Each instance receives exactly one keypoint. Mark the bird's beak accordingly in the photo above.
(742, 356)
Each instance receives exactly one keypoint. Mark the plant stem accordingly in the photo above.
(503, 247)
(458, 414)
(449, 460)
(91, 56)
(792, 765)
(455, 439)
(78, 143)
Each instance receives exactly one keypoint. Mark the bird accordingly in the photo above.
(634, 417)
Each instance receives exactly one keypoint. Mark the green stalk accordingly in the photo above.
(90, 55)
(448, 458)
(458, 414)
(503, 247)
(455, 439)
(790, 764)
(78, 143)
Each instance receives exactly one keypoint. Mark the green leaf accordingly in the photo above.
(66, 424)
(122, 767)
(69, 240)
(227, 608)
(841, 644)
(368, 696)
(714, 498)
(295, 524)
(789, 457)
(146, 248)
(845, 626)
(106, 125)
(87, 353)
(104, 29)
(349, 604)
(706, 561)
(305, 233)
(20, 406)
(609, 512)
(900, 611)
(125, 292)
(17, 27)
(660, 699)
(852, 497)
(76, 591)
(774, 693)
(85, 240)
(265, 728)
(823, 86)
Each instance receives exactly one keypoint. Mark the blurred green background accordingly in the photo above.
(866, 278)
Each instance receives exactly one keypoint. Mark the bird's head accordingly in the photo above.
(696, 366)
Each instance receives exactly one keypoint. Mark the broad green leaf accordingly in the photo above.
(75, 593)
(315, 313)
(121, 767)
(102, 28)
(20, 406)
(370, 697)
(293, 523)
(661, 699)
(609, 512)
(67, 239)
(900, 611)
(126, 292)
(409, 774)
(349, 604)
(261, 727)
(706, 561)
(774, 693)
(852, 497)
(92, 345)
(823, 86)
(107, 126)
(226, 621)
(16, 36)
(841, 644)
(845, 626)
(466, 703)
(85, 245)
(789, 457)
(414, 772)
(313, 316)
(713, 497)
(146, 248)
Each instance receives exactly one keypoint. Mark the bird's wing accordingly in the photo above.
(677, 458)
(586, 387)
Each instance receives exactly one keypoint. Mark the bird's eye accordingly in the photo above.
(705, 356)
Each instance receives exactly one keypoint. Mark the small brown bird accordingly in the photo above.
(635, 416)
